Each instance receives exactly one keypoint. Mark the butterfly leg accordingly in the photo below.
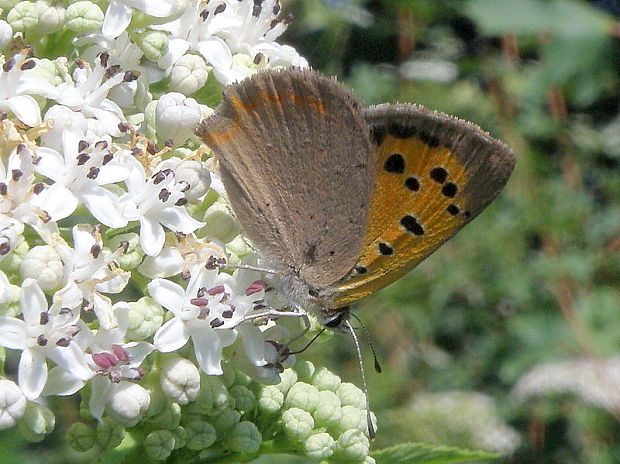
(221, 263)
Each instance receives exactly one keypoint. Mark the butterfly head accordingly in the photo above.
(336, 319)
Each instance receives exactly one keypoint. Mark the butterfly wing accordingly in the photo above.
(298, 165)
(435, 173)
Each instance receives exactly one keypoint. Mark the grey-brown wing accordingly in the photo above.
(297, 163)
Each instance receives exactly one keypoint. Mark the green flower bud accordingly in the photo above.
(305, 370)
(43, 264)
(11, 263)
(188, 74)
(319, 446)
(225, 421)
(241, 378)
(297, 423)
(168, 417)
(270, 399)
(84, 17)
(180, 437)
(303, 396)
(110, 434)
(200, 434)
(288, 379)
(11, 307)
(145, 317)
(328, 411)
(244, 438)
(352, 445)
(154, 44)
(6, 4)
(159, 444)
(351, 395)
(237, 249)
(244, 398)
(369, 460)
(219, 223)
(36, 422)
(324, 379)
(352, 418)
(131, 258)
(81, 436)
(23, 17)
(213, 396)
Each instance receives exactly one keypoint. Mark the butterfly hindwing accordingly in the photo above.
(299, 168)
(434, 174)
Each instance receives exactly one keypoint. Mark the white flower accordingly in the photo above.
(127, 401)
(156, 201)
(19, 196)
(115, 364)
(12, 404)
(118, 14)
(17, 86)
(208, 311)
(43, 333)
(90, 271)
(5, 288)
(176, 117)
(180, 380)
(80, 173)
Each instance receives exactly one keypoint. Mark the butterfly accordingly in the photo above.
(339, 199)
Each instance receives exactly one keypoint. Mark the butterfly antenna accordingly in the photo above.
(309, 343)
(371, 429)
(372, 348)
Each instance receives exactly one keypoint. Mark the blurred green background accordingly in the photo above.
(507, 338)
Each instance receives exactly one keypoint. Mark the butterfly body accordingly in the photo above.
(343, 200)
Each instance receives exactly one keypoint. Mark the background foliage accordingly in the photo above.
(535, 279)
(531, 284)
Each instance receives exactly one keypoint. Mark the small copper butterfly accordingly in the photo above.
(343, 200)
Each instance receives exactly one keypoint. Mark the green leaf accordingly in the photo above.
(419, 453)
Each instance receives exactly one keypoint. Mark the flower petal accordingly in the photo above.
(13, 334)
(171, 336)
(167, 293)
(208, 349)
(32, 373)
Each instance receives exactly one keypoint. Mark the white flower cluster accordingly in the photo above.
(105, 198)
(594, 381)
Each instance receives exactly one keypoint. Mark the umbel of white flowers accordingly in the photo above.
(109, 209)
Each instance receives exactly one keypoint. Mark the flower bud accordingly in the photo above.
(81, 437)
(128, 403)
(297, 423)
(145, 317)
(352, 418)
(328, 411)
(319, 446)
(176, 116)
(180, 380)
(110, 434)
(43, 264)
(154, 44)
(168, 417)
(189, 74)
(305, 371)
(180, 437)
(352, 445)
(303, 396)
(36, 422)
(6, 34)
(23, 17)
(159, 444)
(244, 398)
(213, 396)
(84, 17)
(288, 379)
(351, 395)
(225, 421)
(132, 251)
(196, 175)
(200, 434)
(270, 399)
(324, 379)
(51, 17)
(12, 404)
(244, 438)
(220, 223)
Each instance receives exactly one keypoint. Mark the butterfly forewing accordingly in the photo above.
(299, 168)
(434, 174)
